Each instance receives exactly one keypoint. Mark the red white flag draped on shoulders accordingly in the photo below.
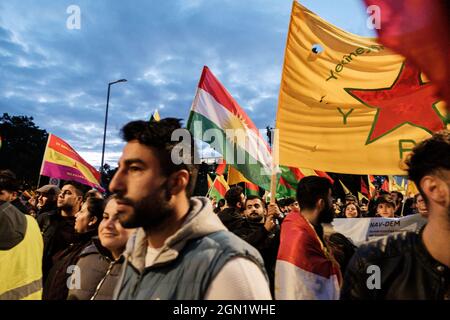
(304, 270)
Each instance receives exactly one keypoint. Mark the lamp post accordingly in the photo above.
(106, 120)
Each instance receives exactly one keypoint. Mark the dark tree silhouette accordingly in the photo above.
(23, 146)
(107, 175)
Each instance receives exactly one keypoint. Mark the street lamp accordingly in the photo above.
(106, 119)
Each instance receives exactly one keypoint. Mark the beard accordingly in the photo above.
(254, 217)
(327, 214)
(149, 212)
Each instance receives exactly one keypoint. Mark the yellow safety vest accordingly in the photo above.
(21, 266)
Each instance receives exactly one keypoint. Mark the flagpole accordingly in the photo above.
(406, 197)
(273, 178)
(43, 160)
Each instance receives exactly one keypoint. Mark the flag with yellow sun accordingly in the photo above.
(349, 105)
(217, 119)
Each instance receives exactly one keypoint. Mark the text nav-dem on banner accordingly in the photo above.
(347, 104)
(61, 161)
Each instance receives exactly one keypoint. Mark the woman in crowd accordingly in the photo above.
(351, 210)
(86, 225)
(100, 263)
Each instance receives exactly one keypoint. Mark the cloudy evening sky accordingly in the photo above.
(60, 76)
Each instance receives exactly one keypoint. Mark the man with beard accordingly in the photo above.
(305, 270)
(58, 226)
(181, 249)
(263, 233)
(411, 265)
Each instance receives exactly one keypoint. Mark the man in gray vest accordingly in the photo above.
(181, 249)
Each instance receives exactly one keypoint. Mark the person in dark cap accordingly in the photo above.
(385, 207)
(10, 190)
(47, 197)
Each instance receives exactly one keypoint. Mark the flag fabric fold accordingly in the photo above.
(61, 161)
(304, 270)
(419, 30)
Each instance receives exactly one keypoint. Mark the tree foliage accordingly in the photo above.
(23, 146)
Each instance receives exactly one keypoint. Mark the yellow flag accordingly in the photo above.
(411, 189)
(155, 116)
(346, 190)
(234, 176)
(347, 104)
(361, 197)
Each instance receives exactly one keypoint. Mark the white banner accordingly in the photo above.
(364, 229)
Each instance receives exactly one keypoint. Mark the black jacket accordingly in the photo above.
(55, 286)
(407, 271)
(19, 205)
(254, 233)
(233, 220)
(58, 233)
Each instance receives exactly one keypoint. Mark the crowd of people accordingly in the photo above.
(151, 239)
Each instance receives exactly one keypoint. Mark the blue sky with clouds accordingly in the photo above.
(59, 76)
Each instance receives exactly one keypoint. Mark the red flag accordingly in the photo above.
(364, 188)
(385, 185)
(221, 168)
(419, 30)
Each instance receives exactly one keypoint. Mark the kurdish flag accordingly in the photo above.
(290, 176)
(61, 161)
(251, 189)
(354, 107)
(217, 119)
(210, 182)
(219, 188)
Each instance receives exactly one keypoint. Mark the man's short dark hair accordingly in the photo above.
(8, 181)
(80, 188)
(428, 157)
(310, 189)
(221, 203)
(399, 195)
(288, 201)
(158, 136)
(233, 196)
(253, 197)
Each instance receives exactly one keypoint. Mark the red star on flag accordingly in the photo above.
(408, 100)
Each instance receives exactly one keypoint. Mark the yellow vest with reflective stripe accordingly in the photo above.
(21, 266)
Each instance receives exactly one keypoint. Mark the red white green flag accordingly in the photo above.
(217, 119)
